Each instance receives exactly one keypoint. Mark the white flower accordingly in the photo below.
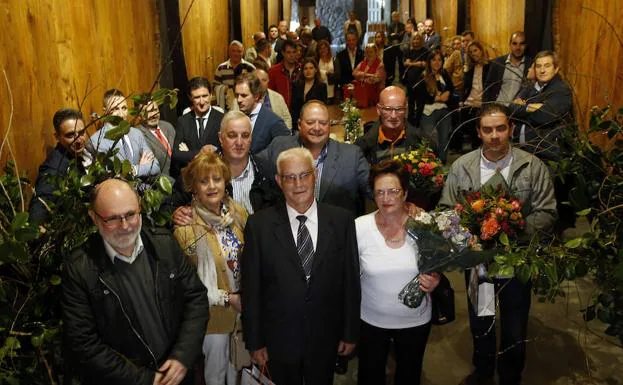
(458, 239)
(443, 221)
(424, 217)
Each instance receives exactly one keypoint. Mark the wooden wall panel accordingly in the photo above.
(273, 12)
(205, 35)
(419, 9)
(252, 17)
(445, 13)
(287, 11)
(591, 58)
(60, 54)
(494, 21)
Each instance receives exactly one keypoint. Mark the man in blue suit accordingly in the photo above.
(265, 124)
(131, 146)
(342, 171)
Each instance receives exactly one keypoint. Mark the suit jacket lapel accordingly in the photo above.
(283, 234)
(329, 169)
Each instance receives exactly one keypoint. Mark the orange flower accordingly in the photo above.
(489, 228)
(478, 205)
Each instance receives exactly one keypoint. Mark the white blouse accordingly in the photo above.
(326, 67)
(384, 273)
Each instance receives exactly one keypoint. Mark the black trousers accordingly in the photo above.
(514, 301)
(308, 371)
(409, 346)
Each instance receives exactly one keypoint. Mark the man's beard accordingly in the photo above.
(123, 241)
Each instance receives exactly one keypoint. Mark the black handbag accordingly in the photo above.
(443, 302)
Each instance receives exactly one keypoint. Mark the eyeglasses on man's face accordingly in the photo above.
(117, 220)
(389, 109)
(302, 177)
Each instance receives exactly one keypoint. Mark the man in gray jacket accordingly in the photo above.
(527, 179)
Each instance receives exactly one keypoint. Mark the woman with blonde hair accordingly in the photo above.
(476, 70)
(214, 242)
(369, 78)
(326, 66)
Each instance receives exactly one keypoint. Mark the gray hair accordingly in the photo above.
(295, 153)
(234, 115)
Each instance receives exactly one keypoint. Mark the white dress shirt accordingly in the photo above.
(311, 222)
(112, 254)
(489, 168)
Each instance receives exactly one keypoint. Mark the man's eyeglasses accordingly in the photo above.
(116, 220)
(292, 178)
(388, 109)
(391, 193)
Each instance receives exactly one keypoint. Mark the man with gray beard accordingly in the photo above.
(134, 309)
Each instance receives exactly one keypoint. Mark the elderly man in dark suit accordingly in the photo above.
(72, 144)
(197, 128)
(342, 171)
(347, 60)
(300, 280)
(159, 134)
(266, 125)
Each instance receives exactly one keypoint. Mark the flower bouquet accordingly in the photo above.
(493, 215)
(496, 218)
(351, 121)
(426, 176)
(443, 245)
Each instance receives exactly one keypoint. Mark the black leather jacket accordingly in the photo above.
(103, 340)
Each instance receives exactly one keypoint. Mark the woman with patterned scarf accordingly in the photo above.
(214, 243)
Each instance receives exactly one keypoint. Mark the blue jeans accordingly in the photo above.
(441, 121)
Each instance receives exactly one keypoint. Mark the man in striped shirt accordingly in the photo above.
(227, 71)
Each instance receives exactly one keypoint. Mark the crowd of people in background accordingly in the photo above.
(271, 217)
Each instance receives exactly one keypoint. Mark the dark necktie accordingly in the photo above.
(201, 120)
(304, 245)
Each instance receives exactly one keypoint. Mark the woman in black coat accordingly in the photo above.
(309, 87)
(433, 99)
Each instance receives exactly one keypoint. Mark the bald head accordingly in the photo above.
(392, 94)
(392, 108)
(110, 192)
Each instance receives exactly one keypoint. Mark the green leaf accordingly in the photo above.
(112, 119)
(126, 168)
(12, 343)
(574, 243)
(506, 271)
(26, 234)
(87, 180)
(19, 221)
(165, 185)
(504, 239)
(172, 101)
(36, 341)
(55, 280)
(159, 94)
(523, 273)
(584, 212)
(501, 259)
(580, 269)
(118, 132)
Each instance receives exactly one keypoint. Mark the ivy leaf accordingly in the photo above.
(165, 184)
(574, 243)
(87, 180)
(173, 100)
(504, 239)
(584, 212)
(55, 280)
(26, 234)
(126, 168)
(19, 221)
(118, 132)
(12, 343)
(523, 273)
